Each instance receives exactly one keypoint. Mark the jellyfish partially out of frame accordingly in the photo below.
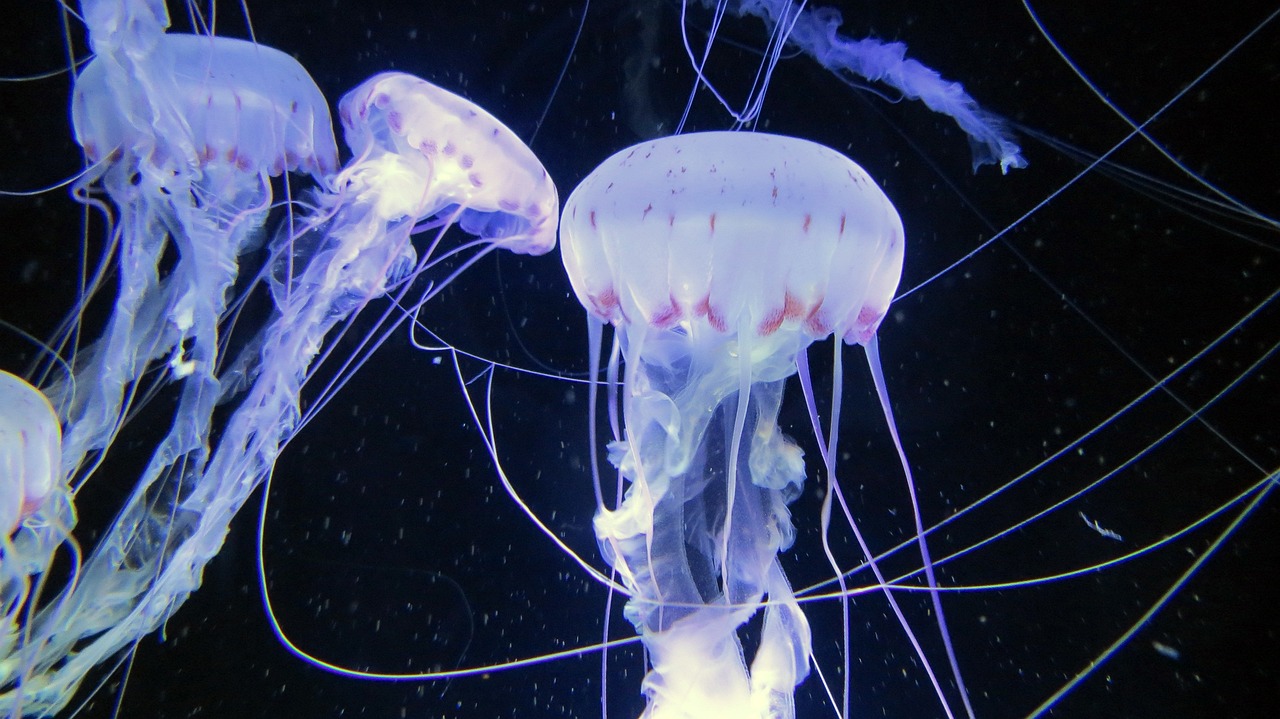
(719, 258)
(184, 133)
(35, 506)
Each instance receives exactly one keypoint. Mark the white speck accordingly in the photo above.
(1166, 651)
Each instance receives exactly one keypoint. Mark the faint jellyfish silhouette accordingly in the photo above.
(185, 132)
(719, 258)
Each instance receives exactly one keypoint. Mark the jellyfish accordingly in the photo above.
(719, 258)
(184, 133)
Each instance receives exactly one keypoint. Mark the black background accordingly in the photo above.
(390, 545)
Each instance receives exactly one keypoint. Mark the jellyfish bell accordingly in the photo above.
(427, 152)
(240, 105)
(718, 258)
(778, 222)
(424, 158)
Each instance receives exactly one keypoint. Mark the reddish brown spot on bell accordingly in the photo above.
(868, 316)
(864, 327)
(715, 319)
(792, 308)
(667, 316)
(606, 303)
(815, 323)
(771, 323)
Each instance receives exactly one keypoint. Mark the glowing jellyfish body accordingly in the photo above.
(719, 258)
(35, 502)
(30, 451)
(185, 132)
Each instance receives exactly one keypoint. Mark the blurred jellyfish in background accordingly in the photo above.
(1111, 352)
(816, 31)
(183, 133)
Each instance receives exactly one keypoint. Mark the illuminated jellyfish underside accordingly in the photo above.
(958, 312)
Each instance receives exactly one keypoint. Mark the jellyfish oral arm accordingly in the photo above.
(816, 31)
(688, 599)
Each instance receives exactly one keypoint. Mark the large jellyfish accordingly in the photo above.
(1051, 361)
(720, 257)
(184, 133)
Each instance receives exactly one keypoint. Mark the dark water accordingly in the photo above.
(390, 545)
